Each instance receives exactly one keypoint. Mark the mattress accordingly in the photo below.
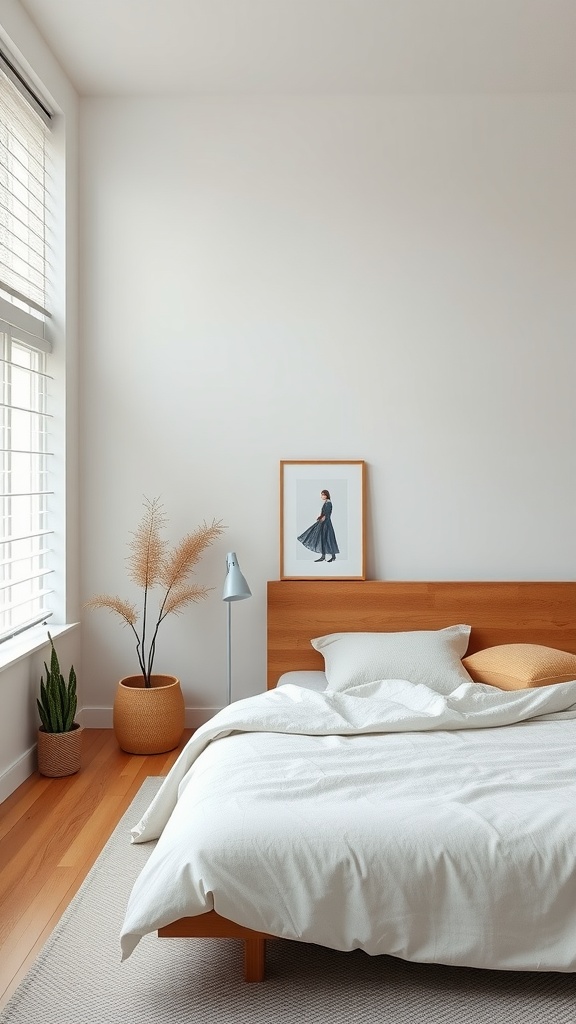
(308, 680)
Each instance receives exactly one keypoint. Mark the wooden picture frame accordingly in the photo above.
(322, 519)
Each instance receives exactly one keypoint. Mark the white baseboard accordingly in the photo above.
(17, 773)
(90, 718)
(96, 718)
(198, 716)
(101, 718)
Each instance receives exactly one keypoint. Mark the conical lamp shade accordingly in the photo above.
(235, 586)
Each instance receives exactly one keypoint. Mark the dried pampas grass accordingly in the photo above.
(152, 563)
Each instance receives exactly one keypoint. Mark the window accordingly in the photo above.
(25, 525)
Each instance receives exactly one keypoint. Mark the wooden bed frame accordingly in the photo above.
(499, 613)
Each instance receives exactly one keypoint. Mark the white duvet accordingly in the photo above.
(390, 818)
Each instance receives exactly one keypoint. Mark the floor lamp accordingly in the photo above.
(235, 589)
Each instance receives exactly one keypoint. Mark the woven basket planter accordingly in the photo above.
(59, 753)
(149, 720)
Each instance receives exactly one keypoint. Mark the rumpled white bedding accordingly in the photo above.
(390, 818)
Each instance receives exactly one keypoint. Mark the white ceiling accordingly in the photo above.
(135, 47)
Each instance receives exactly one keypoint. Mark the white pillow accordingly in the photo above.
(430, 656)
(308, 680)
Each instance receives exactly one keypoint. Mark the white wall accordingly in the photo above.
(324, 278)
(19, 683)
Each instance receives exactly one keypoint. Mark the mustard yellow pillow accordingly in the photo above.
(521, 666)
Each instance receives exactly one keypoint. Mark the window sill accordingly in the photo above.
(20, 647)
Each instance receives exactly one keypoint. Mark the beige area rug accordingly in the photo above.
(78, 977)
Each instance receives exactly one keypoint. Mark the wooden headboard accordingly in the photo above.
(499, 613)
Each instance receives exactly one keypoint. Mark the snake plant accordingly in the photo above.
(58, 700)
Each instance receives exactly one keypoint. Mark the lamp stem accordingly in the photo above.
(229, 650)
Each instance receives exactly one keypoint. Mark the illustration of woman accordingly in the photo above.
(320, 537)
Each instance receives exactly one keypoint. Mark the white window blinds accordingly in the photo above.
(23, 193)
(25, 489)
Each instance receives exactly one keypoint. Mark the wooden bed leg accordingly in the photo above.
(254, 959)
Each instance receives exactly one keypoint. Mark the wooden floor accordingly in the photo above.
(51, 832)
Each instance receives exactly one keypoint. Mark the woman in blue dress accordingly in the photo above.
(320, 537)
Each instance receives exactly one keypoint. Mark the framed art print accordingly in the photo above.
(322, 513)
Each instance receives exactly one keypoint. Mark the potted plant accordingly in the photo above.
(148, 713)
(59, 736)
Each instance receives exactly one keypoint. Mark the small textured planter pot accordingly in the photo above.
(148, 720)
(60, 753)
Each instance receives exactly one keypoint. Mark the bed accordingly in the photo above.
(495, 756)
